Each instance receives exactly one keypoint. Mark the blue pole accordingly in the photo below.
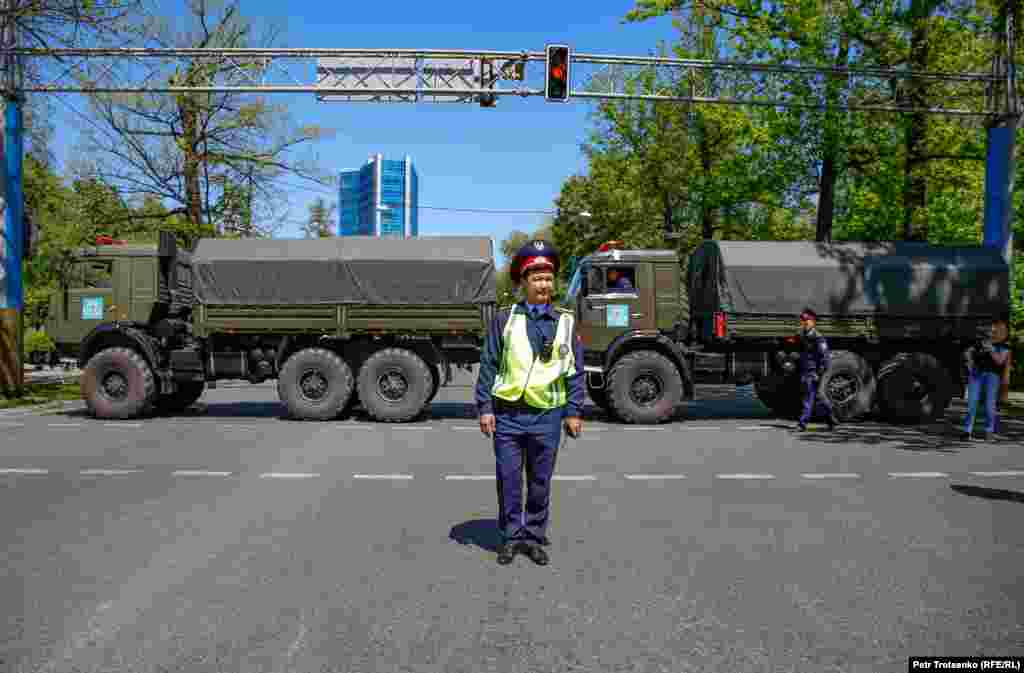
(999, 179)
(15, 207)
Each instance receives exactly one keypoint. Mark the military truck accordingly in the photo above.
(336, 321)
(898, 317)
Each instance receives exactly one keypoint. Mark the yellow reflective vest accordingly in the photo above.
(521, 374)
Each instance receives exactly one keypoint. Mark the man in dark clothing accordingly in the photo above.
(814, 361)
(530, 383)
(617, 280)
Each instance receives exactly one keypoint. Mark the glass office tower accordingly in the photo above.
(379, 199)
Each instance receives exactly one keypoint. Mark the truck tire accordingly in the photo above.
(849, 385)
(315, 384)
(644, 387)
(118, 383)
(435, 385)
(914, 388)
(394, 385)
(781, 395)
(181, 399)
(599, 396)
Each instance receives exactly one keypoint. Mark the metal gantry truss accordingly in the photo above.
(464, 76)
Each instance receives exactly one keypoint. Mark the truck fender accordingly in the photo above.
(629, 339)
(130, 336)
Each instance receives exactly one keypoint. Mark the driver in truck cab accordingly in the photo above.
(617, 280)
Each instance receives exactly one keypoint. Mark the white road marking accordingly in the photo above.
(655, 476)
(918, 474)
(705, 427)
(199, 473)
(830, 475)
(754, 427)
(649, 429)
(745, 476)
(64, 425)
(574, 477)
(107, 472)
(464, 427)
(11, 424)
(470, 477)
(122, 425)
(23, 470)
(1005, 473)
(289, 475)
(382, 476)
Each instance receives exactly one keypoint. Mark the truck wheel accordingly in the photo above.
(184, 397)
(849, 385)
(599, 396)
(118, 383)
(436, 385)
(644, 387)
(315, 384)
(781, 395)
(914, 388)
(394, 384)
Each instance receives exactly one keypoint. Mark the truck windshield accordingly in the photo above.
(575, 283)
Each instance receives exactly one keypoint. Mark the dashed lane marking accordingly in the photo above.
(830, 475)
(745, 476)
(754, 427)
(470, 477)
(122, 425)
(917, 474)
(382, 476)
(11, 424)
(573, 477)
(24, 470)
(655, 476)
(289, 475)
(199, 473)
(1005, 473)
(106, 472)
(63, 425)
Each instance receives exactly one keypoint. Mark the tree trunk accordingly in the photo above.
(830, 161)
(915, 214)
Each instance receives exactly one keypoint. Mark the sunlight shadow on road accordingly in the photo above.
(482, 533)
(989, 493)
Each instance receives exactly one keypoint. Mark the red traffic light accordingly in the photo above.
(556, 80)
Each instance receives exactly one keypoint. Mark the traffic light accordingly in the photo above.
(556, 87)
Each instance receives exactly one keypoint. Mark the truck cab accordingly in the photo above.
(630, 310)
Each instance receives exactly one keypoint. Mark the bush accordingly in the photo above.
(38, 341)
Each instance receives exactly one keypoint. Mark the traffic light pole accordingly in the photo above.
(11, 297)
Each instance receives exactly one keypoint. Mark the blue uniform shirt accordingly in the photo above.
(538, 329)
(815, 356)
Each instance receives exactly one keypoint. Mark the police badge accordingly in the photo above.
(539, 245)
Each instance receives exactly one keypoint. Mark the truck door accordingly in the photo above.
(89, 298)
(615, 300)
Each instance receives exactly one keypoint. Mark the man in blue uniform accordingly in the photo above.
(530, 383)
(814, 361)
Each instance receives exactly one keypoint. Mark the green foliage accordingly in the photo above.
(37, 341)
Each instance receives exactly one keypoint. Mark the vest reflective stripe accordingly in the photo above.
(522, 375)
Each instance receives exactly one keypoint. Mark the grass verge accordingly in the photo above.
(34, 394)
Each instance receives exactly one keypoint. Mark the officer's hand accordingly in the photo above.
(488, 424)
(574, 426)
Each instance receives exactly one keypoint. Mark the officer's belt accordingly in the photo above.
(519, 406)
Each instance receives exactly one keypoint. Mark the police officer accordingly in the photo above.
(814, 361)
(530, 383)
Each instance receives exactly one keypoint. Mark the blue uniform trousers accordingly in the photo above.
(812, 401)
(978, 382)
(525, 438)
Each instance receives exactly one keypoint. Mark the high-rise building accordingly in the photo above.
(379, 199)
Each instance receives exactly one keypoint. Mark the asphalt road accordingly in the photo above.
(229, 539)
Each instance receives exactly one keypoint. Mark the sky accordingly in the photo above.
(511, 157)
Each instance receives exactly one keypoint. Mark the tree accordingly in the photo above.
(321, 220)
(192, 150)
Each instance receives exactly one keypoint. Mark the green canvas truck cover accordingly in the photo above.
(896, 279)
(426, 270)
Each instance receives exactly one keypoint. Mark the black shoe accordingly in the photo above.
(965, 436)
(984, 436)
(800, 427)
(536, 554)
(833, 422)
(506, 553)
